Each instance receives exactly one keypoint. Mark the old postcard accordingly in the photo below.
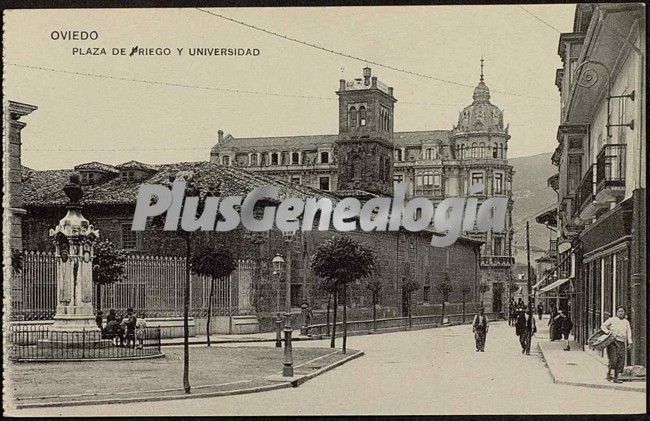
(377, 210)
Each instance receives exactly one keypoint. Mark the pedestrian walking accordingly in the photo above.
(480, 329)
(540, 310)
(130, 322)
(618, 326)
(551, 330)
(525, 328)
(566, 327)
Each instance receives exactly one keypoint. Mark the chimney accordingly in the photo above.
(341, 84)
(374, 81)
(366, 75)
(220, 137)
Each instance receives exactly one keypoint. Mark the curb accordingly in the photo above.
(589, 385)
(283, 385)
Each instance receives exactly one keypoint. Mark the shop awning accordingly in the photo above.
(554, 285)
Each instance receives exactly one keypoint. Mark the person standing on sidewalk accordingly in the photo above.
(480, 328)
(619, 326)
(540, 310)
(566, 327)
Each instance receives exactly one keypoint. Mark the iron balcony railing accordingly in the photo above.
(610, 167)
(552, 248)
(502, 261)
(585, 192)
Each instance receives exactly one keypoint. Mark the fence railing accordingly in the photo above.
(38, 342)
(585, 192)
(610, 167)
(392, 323)
(154, 287)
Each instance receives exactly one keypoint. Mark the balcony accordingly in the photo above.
(552, 249)
(584, 195)
(610, 173)
(497, 261)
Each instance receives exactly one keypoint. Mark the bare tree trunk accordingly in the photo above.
(345, 316)
(329, 304)
(98, 296)
(374, 311)
(186, 316)
(336, 304)
(207, 325)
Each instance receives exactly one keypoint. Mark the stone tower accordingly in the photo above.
(365, 141)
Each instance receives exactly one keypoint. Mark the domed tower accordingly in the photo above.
(480, 143)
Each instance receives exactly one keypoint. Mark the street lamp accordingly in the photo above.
(278, 264)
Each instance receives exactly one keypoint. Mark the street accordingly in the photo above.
(433, 371)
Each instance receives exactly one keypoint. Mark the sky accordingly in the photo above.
(82, 118)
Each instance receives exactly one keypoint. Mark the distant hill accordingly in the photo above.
(531, 196)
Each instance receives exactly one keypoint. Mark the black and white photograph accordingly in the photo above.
(324, 210)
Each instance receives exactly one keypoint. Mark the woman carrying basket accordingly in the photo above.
(620, 328)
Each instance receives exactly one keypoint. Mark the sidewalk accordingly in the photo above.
(576, 367)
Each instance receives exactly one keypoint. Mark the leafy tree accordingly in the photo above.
(374, 285)
(444, 287)
(16, 260)
(108, 267)
(464, 290)
(215, 263)
(409, 287)
(342, 260)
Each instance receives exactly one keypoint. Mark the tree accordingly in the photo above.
(374, 285)
(108, 267)
(342, 260)
(409, 287)
(16, 260)
(464, 290)
(328, 286)
(482, 289)
(215, 263)
(444, 287)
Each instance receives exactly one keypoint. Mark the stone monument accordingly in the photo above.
(74, 240)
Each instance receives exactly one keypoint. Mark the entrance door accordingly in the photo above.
(497, 296)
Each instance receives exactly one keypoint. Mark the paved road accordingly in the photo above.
(435, 371)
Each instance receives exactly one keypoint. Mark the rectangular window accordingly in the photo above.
(575, 172)
(498, 183)
(426, 292)
(129, 239)
(275, 159)
(477, 177)
(398, 178)
(254, 159)
(295, 158)
(398, 155)
(295, 179)
(436, 181)
(498, 246)
(324, 183)
(225, 160)
(324, 157)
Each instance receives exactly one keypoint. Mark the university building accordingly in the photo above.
(600, 214)
(367, 156)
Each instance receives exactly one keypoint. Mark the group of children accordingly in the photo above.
(128, 329)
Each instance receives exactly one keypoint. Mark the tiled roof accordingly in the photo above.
(44, 188)
(96, 166)
(325, 140)
(135, 165)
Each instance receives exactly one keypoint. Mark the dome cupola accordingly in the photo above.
(481, 115)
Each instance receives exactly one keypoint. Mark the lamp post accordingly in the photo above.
(278, 263)
(287, 369)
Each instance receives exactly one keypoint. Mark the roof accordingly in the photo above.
(96, 166)
(45, 188)
(136, 165)
(315, 141)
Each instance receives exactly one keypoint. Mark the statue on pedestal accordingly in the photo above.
(74, 239)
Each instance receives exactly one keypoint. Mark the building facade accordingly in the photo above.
(368, 155)
(601, 170)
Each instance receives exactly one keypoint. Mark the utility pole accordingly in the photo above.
(528, 283)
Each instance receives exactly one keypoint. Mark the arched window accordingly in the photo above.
(427, 153)
(275, 159)
(352, 117)
(482, 150)
(357, 170)
(461, 155)
(253, 159)
(436, 152)
(495, 152)
(503, 152)
(362, 116)
(474, 152)
(387, 170)
(381, 168)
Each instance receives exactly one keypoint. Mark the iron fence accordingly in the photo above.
(40, 343)
(153, 287)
